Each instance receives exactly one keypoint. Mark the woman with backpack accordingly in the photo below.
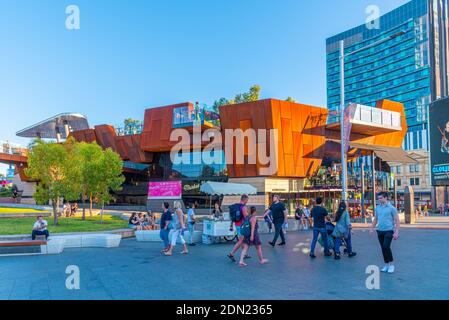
(178, 230)
(342, 231)
(250, 232)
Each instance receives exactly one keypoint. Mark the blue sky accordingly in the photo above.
(134, 54)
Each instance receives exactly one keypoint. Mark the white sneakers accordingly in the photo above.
(388, 268)
(391, 269)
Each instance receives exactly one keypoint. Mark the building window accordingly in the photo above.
(414, 181)
(398, 169)
(398, 182)
(414, 168)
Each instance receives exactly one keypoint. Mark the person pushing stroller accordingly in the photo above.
(342, 232)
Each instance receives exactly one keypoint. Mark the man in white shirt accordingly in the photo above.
(386, 221)
(40, 228)
(191, 224)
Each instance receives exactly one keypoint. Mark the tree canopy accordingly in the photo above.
(73, 170)
(253, 94)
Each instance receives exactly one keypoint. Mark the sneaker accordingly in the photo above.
(281, 244)
(385, 268)
(247, 257)
(337, 257)
(352, 254)
(271, 244)
(192, 244)
(327, 254)
(230, 256)
(390, 269)
(312, 256)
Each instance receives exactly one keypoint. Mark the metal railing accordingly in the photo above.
(371, 115)
(7, 147)
(128, 130)
(378, 116)
(186, 117)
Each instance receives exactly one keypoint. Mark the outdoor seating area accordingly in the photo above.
(57, 244)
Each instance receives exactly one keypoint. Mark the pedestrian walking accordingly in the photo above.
(308, 218)
(280, 220)
(300, 217)
(386, 221)
(268, 220)
(178, 230)
(191, 224)
(165, 226)
(319, 214)
(250, 231)
(238, 214)
(342, 231)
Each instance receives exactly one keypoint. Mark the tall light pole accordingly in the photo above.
(344, 175)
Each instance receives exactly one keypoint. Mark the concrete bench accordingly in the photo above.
(56, 244)
(89, 240)
(22, 247)
(153, 236)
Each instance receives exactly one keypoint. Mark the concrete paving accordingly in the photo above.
(137, 270)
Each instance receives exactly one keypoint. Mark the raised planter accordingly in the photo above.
(153, 236)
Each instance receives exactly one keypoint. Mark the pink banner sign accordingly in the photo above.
(165, 190)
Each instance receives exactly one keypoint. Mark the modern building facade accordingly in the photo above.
(302, 147)
(408, 64)
(305, 145)
(415, 175)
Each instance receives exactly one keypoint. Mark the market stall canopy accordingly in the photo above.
(54, 126)
(389, 154)
(227, 189)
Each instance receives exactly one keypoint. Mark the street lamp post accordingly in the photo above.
(344, 173)
(344, 176)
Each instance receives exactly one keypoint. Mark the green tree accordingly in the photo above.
(51, 165)
(290, 99)
(88, 156)
(252, 95)
(109, 177)
(99, 172)
(221, 102)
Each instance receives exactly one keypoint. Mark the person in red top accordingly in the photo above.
(244, 213)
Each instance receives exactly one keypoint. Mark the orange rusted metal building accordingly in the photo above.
(307, 140)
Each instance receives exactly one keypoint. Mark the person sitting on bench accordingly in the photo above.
(40, 228)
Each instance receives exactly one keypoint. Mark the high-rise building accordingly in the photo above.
(410, 68)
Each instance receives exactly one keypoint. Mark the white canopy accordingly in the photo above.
(226, 189)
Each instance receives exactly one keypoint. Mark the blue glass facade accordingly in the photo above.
(400, 68)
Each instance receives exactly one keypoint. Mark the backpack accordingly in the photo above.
(245, 228)
(235, 211)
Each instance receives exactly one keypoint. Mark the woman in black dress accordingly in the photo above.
(253, 240)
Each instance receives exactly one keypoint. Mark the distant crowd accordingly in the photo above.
(332, 232)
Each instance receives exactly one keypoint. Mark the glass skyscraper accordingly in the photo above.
(410, 68)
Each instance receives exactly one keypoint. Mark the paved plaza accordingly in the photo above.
(137, 270)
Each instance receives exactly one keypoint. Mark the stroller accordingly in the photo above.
(331, 240)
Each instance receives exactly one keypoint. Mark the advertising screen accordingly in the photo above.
(439, 142)
(164, 190)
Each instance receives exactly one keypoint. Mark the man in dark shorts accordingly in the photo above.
(279, 213)
(244, 213)
(319, 214)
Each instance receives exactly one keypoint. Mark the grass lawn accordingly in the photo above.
(9, 226)
(19, 210)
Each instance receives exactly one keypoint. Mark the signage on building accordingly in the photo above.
(164, 190)
(439, 142)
